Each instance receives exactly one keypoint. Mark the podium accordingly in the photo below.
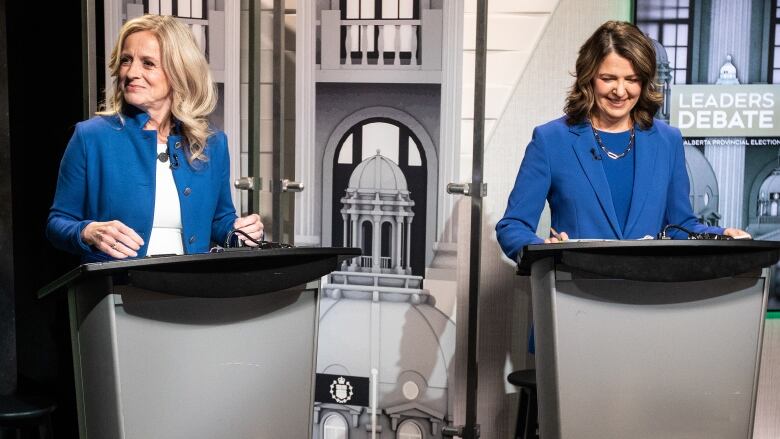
(197, 346)
(648, 339)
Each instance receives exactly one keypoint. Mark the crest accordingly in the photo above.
(341, 390)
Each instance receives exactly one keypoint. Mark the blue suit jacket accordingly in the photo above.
(561, 165)
(108, 173)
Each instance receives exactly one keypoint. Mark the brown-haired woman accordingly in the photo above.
(607, 168)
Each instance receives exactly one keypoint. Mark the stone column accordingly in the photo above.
(392, 244)
(728, 22)
(398, 232)
(357, 239)
(354, 219)
(376, 244)
(449, 130)
(408, 245)
(728, 162)
(344, 236)
(307, 210)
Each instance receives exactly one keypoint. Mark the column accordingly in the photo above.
(408, 245)
(307, 215)
(357, 239)
(449, 132)
(399, 227)
(728, 37)
(354, 219)
(376, 243)
(728, 162)
(344, 236)
(392, 244)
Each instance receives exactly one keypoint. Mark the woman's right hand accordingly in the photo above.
(557, 237)
(112, 238)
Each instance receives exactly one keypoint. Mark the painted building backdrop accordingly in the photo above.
(714, 55)
(382, 104)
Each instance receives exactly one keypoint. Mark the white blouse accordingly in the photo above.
(166, 227)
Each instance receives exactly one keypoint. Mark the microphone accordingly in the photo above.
(596, 155)
(174, 161)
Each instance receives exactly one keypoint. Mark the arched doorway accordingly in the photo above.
(395, 141)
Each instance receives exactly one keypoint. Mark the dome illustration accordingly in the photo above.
(378, 173)
(728, 73)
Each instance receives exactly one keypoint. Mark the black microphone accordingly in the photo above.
(596, 155)
(174, 161)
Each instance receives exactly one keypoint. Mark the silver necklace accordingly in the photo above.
(610, 154)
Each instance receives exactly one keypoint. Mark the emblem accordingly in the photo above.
(341, 390)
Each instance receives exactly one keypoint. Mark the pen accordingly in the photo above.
(555, 234)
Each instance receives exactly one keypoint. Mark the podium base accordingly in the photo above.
(622, 359)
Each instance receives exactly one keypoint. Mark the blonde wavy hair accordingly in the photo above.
(629, 42)
(194, 95)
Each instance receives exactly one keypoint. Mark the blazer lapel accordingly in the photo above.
(646, 153)
(586, 149)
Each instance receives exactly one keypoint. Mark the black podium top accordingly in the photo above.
(232, 273)
(656, 260)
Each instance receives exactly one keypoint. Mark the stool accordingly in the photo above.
(20, 413)
(527, 415)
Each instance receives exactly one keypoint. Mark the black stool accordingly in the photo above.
(527, 415)
(20, 413)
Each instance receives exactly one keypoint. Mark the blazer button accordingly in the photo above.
(177, 145)
(187, 191)
(192, 239)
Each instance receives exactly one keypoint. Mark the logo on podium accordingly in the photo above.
(342, 389)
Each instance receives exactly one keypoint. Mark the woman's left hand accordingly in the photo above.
(737, 233)
(252, 226)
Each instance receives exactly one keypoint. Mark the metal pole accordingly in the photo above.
(471, 430)
(8, 379)
(253, 101)
(89, 58)
(278, 122)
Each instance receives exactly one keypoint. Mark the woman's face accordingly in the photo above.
(141, 76)
(617, 88)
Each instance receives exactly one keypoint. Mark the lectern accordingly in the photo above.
(648, 339)
(197, 346)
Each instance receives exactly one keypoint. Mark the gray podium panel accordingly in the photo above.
(619, 359)
(151, 365)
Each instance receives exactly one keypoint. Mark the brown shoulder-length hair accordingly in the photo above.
(627, 41)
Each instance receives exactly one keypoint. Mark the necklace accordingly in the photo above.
(609, 153)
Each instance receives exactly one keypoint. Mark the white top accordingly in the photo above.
(166, 227)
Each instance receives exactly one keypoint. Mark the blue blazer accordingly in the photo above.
(108, 173)
(562, 165)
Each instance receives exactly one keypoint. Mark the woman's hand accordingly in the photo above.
(737, 233)
(112, 238)
(557, 237)
(252, 226)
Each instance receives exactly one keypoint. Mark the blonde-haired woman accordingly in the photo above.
(148, 175)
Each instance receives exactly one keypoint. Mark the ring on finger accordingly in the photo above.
(113, 246)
